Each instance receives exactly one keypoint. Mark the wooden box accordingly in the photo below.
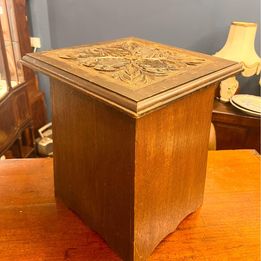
(131, 122)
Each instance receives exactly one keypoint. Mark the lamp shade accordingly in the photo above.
(240, 47)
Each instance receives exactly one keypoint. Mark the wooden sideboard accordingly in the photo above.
(235, 129)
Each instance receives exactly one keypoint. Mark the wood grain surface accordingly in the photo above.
(131, 180)
(170, 168)
(94, 162)
(36, 227)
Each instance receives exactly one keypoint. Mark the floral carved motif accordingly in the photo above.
(132, 62)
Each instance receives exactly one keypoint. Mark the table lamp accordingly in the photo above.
(240, 47)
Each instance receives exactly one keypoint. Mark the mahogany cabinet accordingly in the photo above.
(22, 106)
(35, 96)
(235, 129)
(131, 121)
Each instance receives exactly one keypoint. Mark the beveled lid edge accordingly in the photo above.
(132, 107)
(121, 102)
(162, 99)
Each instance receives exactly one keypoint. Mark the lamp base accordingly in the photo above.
(228, 88)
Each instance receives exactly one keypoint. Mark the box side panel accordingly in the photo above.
(171, 157)
(94, 164)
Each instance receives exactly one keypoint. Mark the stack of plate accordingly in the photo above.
(249, 104)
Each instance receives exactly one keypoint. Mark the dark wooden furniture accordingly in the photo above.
(36, 226)
(22, 109)
(16, 126)
(235, 129)
(131, 135)
(35, 96)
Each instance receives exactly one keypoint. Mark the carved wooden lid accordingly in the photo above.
(134, 75)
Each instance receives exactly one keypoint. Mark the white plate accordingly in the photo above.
(248, 102)
(245, 110)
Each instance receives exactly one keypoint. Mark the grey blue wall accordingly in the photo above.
(38, 14)
(200, 25)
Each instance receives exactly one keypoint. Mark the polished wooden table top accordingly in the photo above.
(34, 226)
